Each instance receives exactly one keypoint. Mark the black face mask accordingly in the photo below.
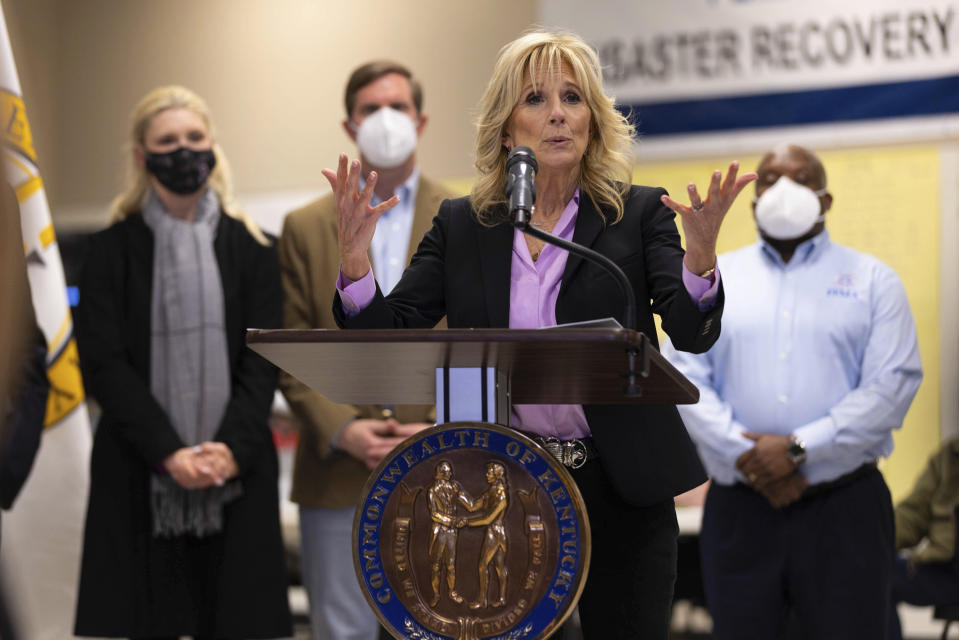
(183, 170)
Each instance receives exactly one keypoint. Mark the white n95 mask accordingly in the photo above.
(787, 210)
(386, 138)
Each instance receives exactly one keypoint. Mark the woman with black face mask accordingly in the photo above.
(182, 533)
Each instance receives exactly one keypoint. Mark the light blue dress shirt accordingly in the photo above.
(823, 347)
(391, 241)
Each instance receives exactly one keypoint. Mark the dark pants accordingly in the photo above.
(201, 559)
(629, 590)
(924, 585)
(826, 559)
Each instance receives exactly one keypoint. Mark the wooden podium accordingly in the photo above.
(541, 534)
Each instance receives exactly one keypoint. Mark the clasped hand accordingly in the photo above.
(769, 470)
(370, 440)
(209, 464)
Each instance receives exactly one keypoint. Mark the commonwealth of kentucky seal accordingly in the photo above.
(471, 530)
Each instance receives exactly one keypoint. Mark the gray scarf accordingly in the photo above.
(189, 365)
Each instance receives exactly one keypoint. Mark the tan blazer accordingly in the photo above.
(310, 263)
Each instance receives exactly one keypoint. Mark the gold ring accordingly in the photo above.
(699, 207)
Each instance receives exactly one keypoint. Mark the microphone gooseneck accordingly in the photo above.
(521, 170)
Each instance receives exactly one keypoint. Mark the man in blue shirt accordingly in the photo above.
(817, 363)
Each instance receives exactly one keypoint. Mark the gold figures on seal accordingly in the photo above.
(493, 502)
(442, 497)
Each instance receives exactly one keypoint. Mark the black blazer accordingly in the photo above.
(462, 269)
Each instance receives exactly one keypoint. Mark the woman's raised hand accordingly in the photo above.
(356, 218)
(702, 219)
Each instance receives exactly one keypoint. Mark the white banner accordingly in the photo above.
(667, 50)
(857, 70)
(42, 535)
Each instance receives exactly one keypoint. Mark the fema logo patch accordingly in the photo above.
(844, 287)
(471, 530)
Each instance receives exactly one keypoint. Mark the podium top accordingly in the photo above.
(559, 365)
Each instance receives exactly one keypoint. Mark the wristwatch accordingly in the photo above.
(796, 451)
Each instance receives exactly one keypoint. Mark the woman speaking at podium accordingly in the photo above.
(182, 532)
(546, 93)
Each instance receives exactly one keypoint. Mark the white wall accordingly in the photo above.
(272, 72)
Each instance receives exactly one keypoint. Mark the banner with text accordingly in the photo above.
(707, 65)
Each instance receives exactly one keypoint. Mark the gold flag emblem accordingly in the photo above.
(66, 385)
(16, 128)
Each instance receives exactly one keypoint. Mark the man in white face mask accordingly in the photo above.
(791, 199)
(340, 444)
(817, 363)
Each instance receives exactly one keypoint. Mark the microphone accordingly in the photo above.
(521, 170)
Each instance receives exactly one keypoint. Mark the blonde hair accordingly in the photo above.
(130, 200)
(607, 165)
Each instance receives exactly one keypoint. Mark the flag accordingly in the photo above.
(43, 533)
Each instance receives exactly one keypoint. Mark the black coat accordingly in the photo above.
(133, 584)
(462, 269)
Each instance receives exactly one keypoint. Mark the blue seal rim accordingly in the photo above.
(576, 498)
